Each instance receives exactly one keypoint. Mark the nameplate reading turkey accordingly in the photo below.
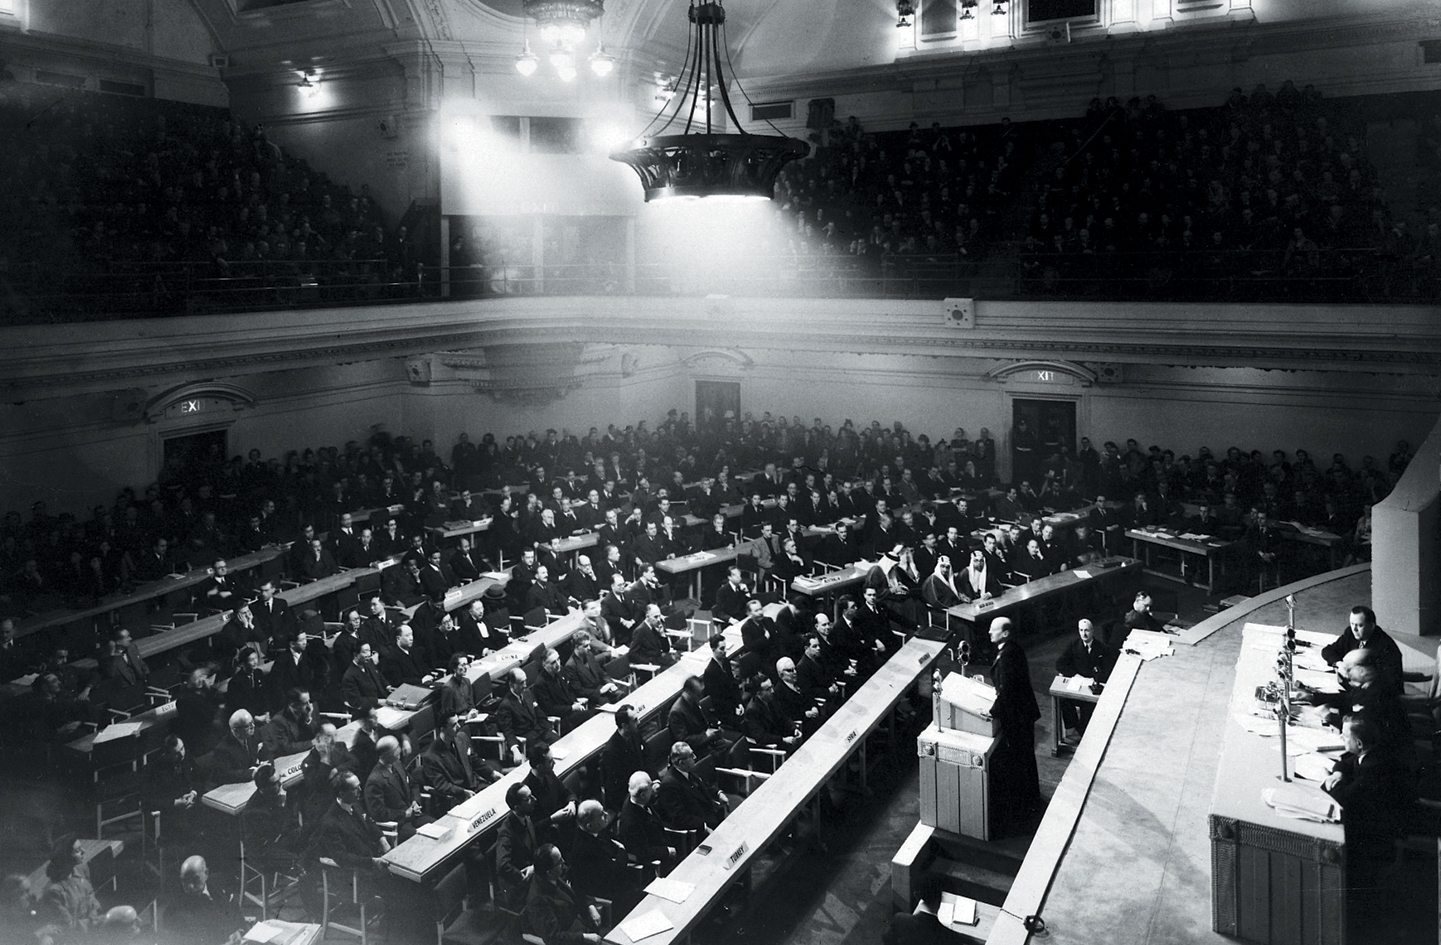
(735, 857)
(985, 604)
(851, 737)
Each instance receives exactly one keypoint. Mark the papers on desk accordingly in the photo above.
(653, 922)
(1312, 740)
(1194, 536)
(1313, 767)
(1321, 681)
(1076, 684)
(1082, 573)
(956, 911)
(1148, 645)
(435, 831)
(968, 693)
(698, 556)
(496, 575)
(1303, 803)
(118, 730)
(263, 932)
(391, 718)
(671, 889)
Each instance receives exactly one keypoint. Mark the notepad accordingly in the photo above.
(433, 830)
(671, 889)
(262, 932)
(1303, 803)
(956, 911)
(1313, 767)
(653, 922)
(117, 730)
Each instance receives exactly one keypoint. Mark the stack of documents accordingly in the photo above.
(973, 695)
(1303, 803)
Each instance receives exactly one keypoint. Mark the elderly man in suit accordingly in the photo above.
(1088, 657)
(686, 801)
(389, 795)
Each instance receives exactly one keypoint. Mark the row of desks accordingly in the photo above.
(728, 852)
(421, 856)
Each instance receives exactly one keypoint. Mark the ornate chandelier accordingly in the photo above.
(707, 164)
(562, 25)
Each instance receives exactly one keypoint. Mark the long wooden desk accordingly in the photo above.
(459, 528)
(726, 854)
(1042, 588)
(207, 627)
(420, 856)
(230, 799)
(141, 595)
(694, 563)
(1211, 549)
(833, 582)
(159, 716)
(1274, 879)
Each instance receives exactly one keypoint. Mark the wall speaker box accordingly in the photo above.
(1109, 373)
(418, 370)
(960, 313)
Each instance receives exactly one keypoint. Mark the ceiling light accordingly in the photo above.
(527, 61)
(707, 163)
(601, 63)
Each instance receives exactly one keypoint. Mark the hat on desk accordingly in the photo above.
(493, 592)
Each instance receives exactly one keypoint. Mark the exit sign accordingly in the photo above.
(1046, 377)
(190, 407)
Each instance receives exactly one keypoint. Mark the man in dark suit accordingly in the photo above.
(516, 845)
(684, 800)
(1015, 712)
(318, 562)
(622, 756)
(649, 643)
(1084, 656)
(401, 585)
(556, 698)
(1376, 793)
(519, 716)
(1362, 633)
(124, 661)
(347, 834)
(289, 671)
(362, 679)
(586, 673)
(618, 610)
(435, 576)
(292, 729)
(554, 911)
(273, 616)
(582, 584)
(239, 753)
(758, 650)
(640, 830)
(765, 725)
(389, 795)
(687, 721)
(721, 685)
(448, 767)
(730, 598)
(403, 664)
(360, 552)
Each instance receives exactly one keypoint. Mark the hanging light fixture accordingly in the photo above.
(527, 61)
(999, 9)
(601, 63)
(905, 9)
(707, 164)
(563, 21)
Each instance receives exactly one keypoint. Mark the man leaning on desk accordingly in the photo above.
(1362, 633)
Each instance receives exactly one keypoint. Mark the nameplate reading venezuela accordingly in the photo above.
(480, 820)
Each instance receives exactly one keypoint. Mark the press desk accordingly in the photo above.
(1274, 879)
(1209, 548)
(725, 855)
(1042, 588)
(1060, 694)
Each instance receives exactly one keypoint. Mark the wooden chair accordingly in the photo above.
(341, 887)
(447, 904)
(274, 882)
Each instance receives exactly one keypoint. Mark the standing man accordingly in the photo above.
(1016, 712)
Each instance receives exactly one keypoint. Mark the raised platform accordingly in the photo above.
(1128, 859)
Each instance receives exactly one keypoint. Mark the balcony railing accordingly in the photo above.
(30, 295)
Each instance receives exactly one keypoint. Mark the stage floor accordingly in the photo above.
(1138, 867)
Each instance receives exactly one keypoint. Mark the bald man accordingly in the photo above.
(1087, 657)
(199, 914)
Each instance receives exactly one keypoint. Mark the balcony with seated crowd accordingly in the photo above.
(128, 207)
